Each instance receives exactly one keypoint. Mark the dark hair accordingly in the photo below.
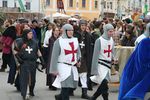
(34, 21)
(24, 34)
(82, 22)
(10, 21)
(46, 21)
(97, 24)
(92, 26)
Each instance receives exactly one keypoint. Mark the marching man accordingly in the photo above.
(101, 62)
(64, 62)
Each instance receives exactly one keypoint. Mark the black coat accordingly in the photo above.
(50, 48)
(86, 52)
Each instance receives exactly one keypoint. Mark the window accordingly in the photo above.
(70, 3)
(28, 5)
(107, 5)
(15, 5)
(96, 4)
(104, 4)
(47, 2)
(83, 3)
(111, 5)
(4, 3)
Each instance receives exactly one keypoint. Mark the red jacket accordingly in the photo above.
(7, 44)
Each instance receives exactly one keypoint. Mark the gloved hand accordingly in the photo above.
(18, 58)
(42, 63)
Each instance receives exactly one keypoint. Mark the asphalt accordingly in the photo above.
(9, 92)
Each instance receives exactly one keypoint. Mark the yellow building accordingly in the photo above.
(88, 9)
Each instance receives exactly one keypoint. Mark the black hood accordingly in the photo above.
(24, 34)
(10, 32)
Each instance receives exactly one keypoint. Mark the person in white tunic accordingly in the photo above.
(101, 63)
(64, 62)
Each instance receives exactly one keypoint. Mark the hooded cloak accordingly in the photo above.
(135, 80)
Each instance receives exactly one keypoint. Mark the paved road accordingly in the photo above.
(8, 92)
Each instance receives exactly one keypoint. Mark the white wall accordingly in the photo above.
(10, 3)
(35, 4)
(0, 3)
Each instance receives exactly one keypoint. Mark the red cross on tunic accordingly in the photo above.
(72, 51)
(108, 51)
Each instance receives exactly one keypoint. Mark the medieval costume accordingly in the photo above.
(64, 62)
(135, 80)
(144, 35)
(101, 62)
(84, 39)
(27, 53)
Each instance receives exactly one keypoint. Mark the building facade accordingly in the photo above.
(88, 9)
(28, 5)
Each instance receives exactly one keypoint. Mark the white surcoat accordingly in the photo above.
(104, 61)
(67, 60)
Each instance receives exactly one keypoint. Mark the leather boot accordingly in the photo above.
(84, 93)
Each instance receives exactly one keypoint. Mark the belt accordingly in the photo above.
(67, 63)
(104, 65)
(106, 61)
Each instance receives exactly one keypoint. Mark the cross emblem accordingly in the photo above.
(82, 44)
(108, 51)
(29, 49)
(72, 51)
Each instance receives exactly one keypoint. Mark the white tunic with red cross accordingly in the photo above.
(67, 59)
(104, 61)
(106, 49)
(69, 49)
